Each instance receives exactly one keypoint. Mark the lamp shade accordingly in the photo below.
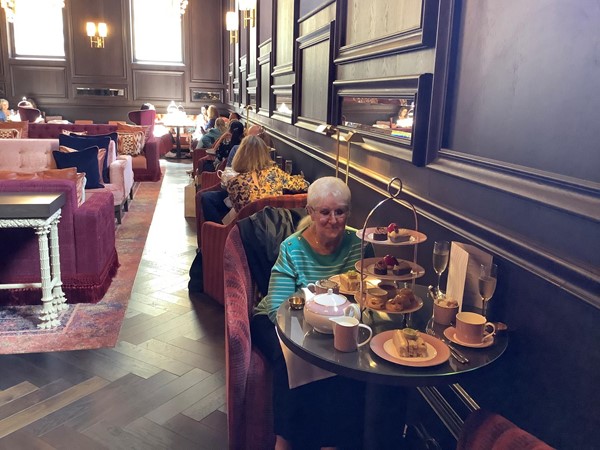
(231, 21)
(247, 5)
(102, 29)
(90, 28)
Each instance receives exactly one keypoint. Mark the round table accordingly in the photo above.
(365, 365)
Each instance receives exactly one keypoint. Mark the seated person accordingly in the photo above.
(226, 142)
(321, 247)
(258, 175)
(4, 111)
(235, 116)
(212, 135)
(213, 206)
(212, 114)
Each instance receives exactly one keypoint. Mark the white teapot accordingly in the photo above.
(321, 307)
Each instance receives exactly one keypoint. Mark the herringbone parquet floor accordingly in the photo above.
(161, 387)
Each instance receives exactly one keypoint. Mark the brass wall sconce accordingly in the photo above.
(231, 24)
(249, 9)
(96, 34)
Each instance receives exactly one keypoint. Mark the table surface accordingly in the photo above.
(364, 364)
(30, 205)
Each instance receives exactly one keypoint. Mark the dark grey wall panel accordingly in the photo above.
(157, 85)
(524, 81)
(206, 41)
(36, 81)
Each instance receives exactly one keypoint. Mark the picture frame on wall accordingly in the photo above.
(392, 110)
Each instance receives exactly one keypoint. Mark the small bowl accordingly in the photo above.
(296, 302)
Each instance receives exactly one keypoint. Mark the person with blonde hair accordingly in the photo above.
(258, 176)
(4, 112)
(212, 135)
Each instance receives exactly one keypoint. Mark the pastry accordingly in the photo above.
(397, 234)
(406, 297)
(390, 261)
(380, 267)
(380, 234)
(402, 268)
(408, 343)
(350, 281)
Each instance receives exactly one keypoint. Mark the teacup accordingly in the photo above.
(345, 333)
(444, 312)
(322, 286)
(471, 328)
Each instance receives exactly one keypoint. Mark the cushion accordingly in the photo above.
(114, 138)
(74, 133)
(131, 143)
(85, 161)
(125, 128)
(101, 155)
(83, 142)
(12, 175)
(67, 174)
(9, 133)
(23, 128)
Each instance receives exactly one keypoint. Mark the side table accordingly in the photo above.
(40, 211)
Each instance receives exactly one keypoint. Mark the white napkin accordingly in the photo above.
(301, 372)
(463, 274)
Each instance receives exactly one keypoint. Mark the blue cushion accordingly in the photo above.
(83, 142)
(85, 160)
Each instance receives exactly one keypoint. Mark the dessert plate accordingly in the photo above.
(415, 237)
(450, 333)
(415, 307)
(383, 347)
(336, 279)
(369, 264)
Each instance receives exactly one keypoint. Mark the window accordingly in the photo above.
(38, 29)
(157, 35)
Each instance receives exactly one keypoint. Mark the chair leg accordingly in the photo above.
(118, 213)
(126, 205)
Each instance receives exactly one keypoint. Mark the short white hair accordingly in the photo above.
(328, 187)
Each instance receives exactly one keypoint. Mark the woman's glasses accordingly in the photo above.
(326, 213)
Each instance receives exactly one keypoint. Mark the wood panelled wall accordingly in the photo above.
(53, 85)
(509, 162)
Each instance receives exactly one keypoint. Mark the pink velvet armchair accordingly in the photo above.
(248, 376)
(214, 236)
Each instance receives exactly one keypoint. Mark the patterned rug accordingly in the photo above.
(87, 326)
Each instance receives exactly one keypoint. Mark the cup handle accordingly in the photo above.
(491, 333)
(352, 310)
(367, 327)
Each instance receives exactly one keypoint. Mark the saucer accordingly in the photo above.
(450, 333)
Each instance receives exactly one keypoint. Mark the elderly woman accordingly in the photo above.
(321, 247)
(258, 176)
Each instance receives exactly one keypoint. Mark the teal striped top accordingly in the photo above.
(298, 264)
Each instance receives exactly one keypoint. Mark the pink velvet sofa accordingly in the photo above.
(88, 254)
(146, 166)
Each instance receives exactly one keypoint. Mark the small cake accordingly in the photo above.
(390, 261)
(409, 344)
(397, 234)
(380, 267)
(350, 281)
(380, 234)
(401, 268)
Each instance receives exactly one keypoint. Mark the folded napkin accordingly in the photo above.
(301, 372)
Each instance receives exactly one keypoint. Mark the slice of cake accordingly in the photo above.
(380, 234)
(409, 344)
(380, 267)
(397, 234)
(350, 281)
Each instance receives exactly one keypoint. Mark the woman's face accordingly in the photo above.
(329, 218)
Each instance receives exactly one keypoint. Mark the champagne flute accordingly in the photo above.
(441, 254)
(487, 284)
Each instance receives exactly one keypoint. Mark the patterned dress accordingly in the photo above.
(270, 181)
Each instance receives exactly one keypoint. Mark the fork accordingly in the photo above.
(453, 351)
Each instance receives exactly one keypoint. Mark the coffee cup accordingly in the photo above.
(323, 286)
(444, 311)
(345, 333)
(472, 328)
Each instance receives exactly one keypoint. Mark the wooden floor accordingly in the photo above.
(161, 387)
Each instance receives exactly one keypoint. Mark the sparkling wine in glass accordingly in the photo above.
(487, 284)
(441, 254)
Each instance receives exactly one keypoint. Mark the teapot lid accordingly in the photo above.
(330, 299)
